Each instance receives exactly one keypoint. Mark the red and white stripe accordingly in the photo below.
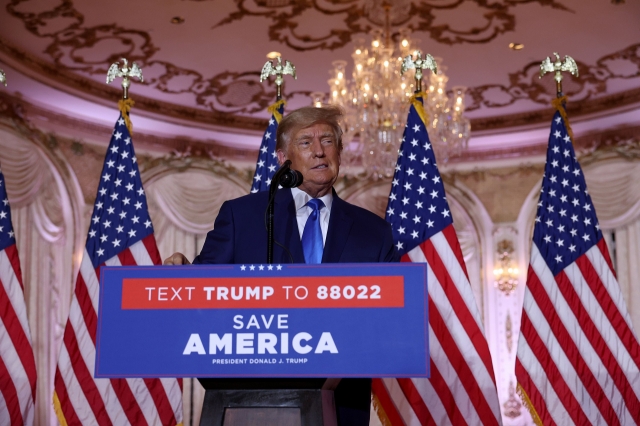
(82, 399)
(462, 386)
(17, 363)
(578, 357)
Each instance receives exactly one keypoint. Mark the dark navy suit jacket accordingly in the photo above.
(240, 236)
(354, 235)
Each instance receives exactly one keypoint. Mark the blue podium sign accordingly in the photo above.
(335, 320)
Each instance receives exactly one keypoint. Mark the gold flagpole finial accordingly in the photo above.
(279, 70)
(558, 67)
(3, 78)
(126, 73)
(419, 64)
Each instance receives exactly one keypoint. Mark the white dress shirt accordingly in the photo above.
(303, 211)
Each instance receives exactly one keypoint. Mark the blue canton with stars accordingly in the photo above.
(566, 225)
(417, 207)
(267, 163)
(7, 236)
(120, 216)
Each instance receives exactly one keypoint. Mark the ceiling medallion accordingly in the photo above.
(376, 101)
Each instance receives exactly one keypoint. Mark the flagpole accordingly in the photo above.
(557, 67)
(279, 71)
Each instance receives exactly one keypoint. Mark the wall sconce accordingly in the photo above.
(506, 272)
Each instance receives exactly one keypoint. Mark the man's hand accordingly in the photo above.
(176, 259)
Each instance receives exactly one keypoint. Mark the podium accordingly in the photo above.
(269, 343)
(269, 402)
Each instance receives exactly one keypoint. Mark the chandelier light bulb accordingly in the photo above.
(375, 98)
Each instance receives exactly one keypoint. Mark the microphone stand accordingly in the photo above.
(275, 183)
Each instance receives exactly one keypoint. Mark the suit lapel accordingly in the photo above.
(338, 232)
(286, 229)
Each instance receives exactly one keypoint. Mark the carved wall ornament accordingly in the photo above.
(508, 332)
(512, 406)
(506, 271)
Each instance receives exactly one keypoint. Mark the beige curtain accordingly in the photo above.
(44, 206)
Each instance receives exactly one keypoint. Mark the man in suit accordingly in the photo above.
(312, 224)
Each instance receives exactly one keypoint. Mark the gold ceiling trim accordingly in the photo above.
(23, 113)
(228, 97)
(46, 72)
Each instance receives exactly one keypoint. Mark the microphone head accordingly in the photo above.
(291, 179)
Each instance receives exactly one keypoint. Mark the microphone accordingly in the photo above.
(287, 177)
(291, 179)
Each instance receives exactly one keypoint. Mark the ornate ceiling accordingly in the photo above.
(203, 73)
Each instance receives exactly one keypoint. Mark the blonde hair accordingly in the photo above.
(306, 117)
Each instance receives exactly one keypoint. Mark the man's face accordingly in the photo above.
(314, 152)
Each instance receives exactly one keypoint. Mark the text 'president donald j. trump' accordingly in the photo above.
(312, 224)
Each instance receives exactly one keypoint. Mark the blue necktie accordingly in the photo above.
(312, 244)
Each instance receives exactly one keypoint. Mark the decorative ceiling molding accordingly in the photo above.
(107, 95)
(71, 43)
(75, 55)
(23, 114)
(526, 84)
(286, 19)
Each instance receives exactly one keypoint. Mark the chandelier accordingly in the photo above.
(376, 100)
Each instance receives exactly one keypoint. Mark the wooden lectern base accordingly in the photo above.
(264, 402)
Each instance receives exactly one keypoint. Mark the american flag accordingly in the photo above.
(17, 363)
(267, 163)
(120, 233)
(578, 358)
(462, 387)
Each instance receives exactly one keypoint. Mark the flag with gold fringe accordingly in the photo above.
(462, 386)
(17, 362)
(120, 233)
(578, 359)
